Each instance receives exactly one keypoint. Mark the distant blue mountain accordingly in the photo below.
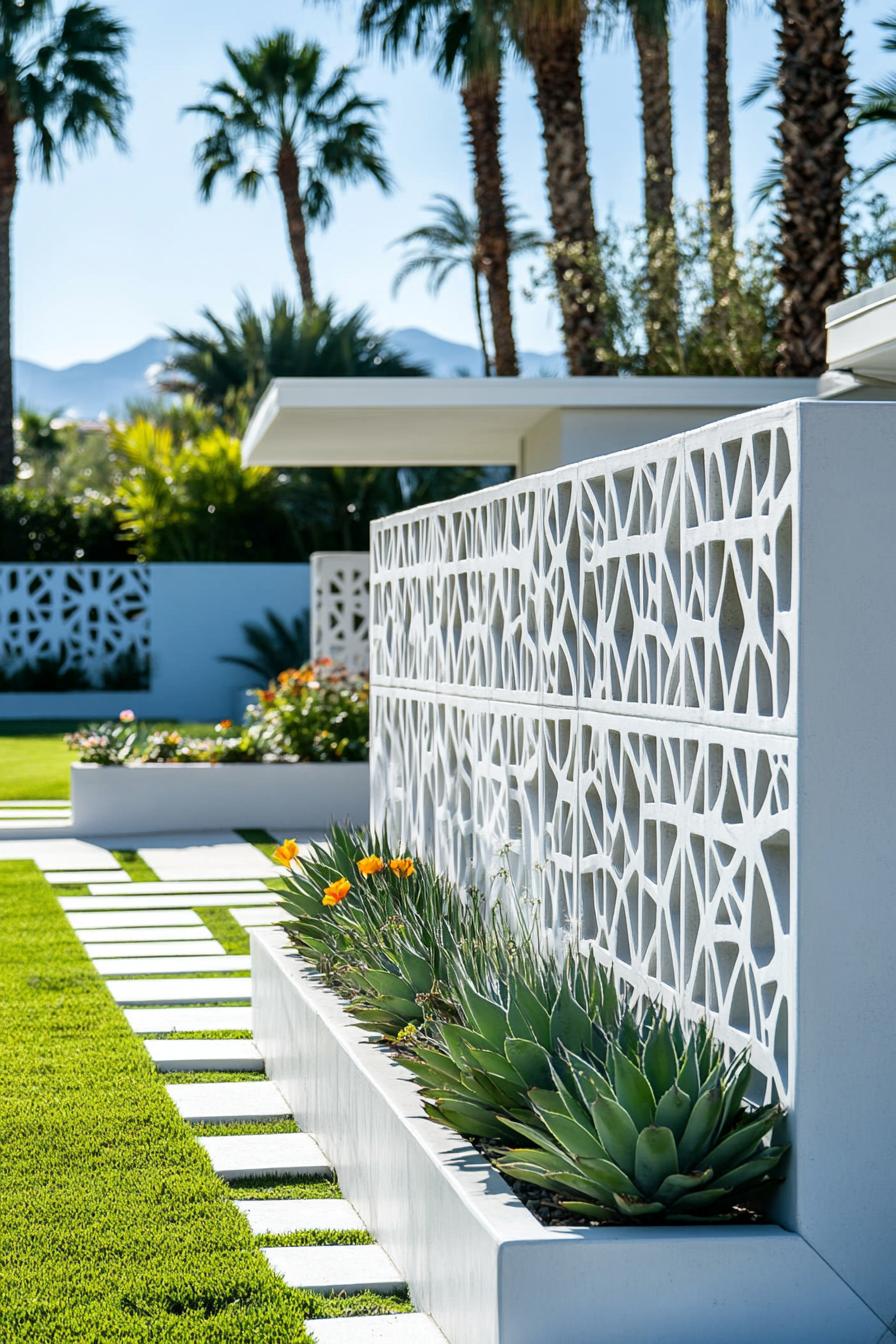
(106, 386)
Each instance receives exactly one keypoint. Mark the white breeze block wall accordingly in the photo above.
(340, 607)
(184, 616)
(657, 690)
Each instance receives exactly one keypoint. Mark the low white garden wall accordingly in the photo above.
(183, 617)
(282, 798)
(655, 691)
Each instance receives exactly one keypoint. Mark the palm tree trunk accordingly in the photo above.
(661, 318)
(482, 103)
(813, 107)
(480, 324)
(718, 150)
(554, 52)
(288, 178)
(8, 180)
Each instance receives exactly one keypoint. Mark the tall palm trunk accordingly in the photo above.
(813, 106)
(554, 52)
(288, 178)
(480, 322)
(661, 320)
(482, 103)
(718, 149)
(8, 180)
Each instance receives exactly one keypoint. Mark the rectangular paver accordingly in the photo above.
(228, 1103)
(171, 965)
(256, 917)
(58, 853)
(275, 1216)
(336, 1269)
(410, 1327)
(238, 1156)
(186, 901)
(180, 1056)
(135, 919)
(157, 1021)
(199, 856)
(196, 990)
(70, 876)
(186, 947)
(197, 936)
(179, 888)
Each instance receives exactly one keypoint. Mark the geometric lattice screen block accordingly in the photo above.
(340, 607)
(655, 692)
(85, 616)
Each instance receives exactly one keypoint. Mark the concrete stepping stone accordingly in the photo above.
(187, 901)
(192, 948)
(9, 803)
(180, 888)
(226, 1103)
(257, 917)
(257, 1156)
(70, 876)
(212, 990)
(181, 1056)
(336, 1269)
(275, 1216)
(33, 814)
(137, 919)
(202, 856)
(158, 1021)
(410, 1327)
(186, 965)
(14, 826)
(58, 854)
(197, 936)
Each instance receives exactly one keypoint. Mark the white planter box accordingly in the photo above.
(118, 800)
(474, 1257)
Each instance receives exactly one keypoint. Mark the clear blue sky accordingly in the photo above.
(121, 248)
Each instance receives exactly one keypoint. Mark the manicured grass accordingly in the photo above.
(113, 1226)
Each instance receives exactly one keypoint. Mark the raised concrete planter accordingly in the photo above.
(118, 800)
(474, 1257)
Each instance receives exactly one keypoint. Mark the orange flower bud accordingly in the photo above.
(286, 852)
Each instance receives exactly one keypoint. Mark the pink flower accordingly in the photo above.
(127, 716)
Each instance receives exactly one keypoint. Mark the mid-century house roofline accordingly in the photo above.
(532, 424)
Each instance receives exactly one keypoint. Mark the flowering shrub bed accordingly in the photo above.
(319, 712)
(624, 1114)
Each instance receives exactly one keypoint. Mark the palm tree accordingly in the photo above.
(229, 366)
(452, 240)
(813, 123)
(63, 78)
(549, 35)
(718, 148)
(467, 40)
(281, 116)
(876, 104)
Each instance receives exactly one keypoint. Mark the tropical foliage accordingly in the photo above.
(62, 79)
(274, 643)
(279, 114)
(627, 1115)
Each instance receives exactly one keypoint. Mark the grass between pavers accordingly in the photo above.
(112, 1223)
(135, 867)
(228, 931)
(236, 1035)
(284, 1187)
(207, 1131)
(212, 1075)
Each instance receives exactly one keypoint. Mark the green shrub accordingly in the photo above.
(319, 712)
(37, 526)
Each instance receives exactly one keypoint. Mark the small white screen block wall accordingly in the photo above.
(340, 607)
(652, 689)
(79, 615)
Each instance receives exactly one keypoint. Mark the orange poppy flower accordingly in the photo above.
(286, 852)
(370, 865)
(336, 891)
(402, 867)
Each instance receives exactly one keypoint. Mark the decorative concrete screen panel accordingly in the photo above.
(340, 610)
(655, 694)
(86, 616)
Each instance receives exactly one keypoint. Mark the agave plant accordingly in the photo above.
(391, 938)
(659, 1131)
(513, 1030)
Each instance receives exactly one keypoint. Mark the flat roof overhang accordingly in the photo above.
(862, 334)
(363, 422)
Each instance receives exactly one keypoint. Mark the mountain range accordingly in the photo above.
(87, 390)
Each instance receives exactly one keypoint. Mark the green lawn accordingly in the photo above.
(34, 760)
(113, 1225)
